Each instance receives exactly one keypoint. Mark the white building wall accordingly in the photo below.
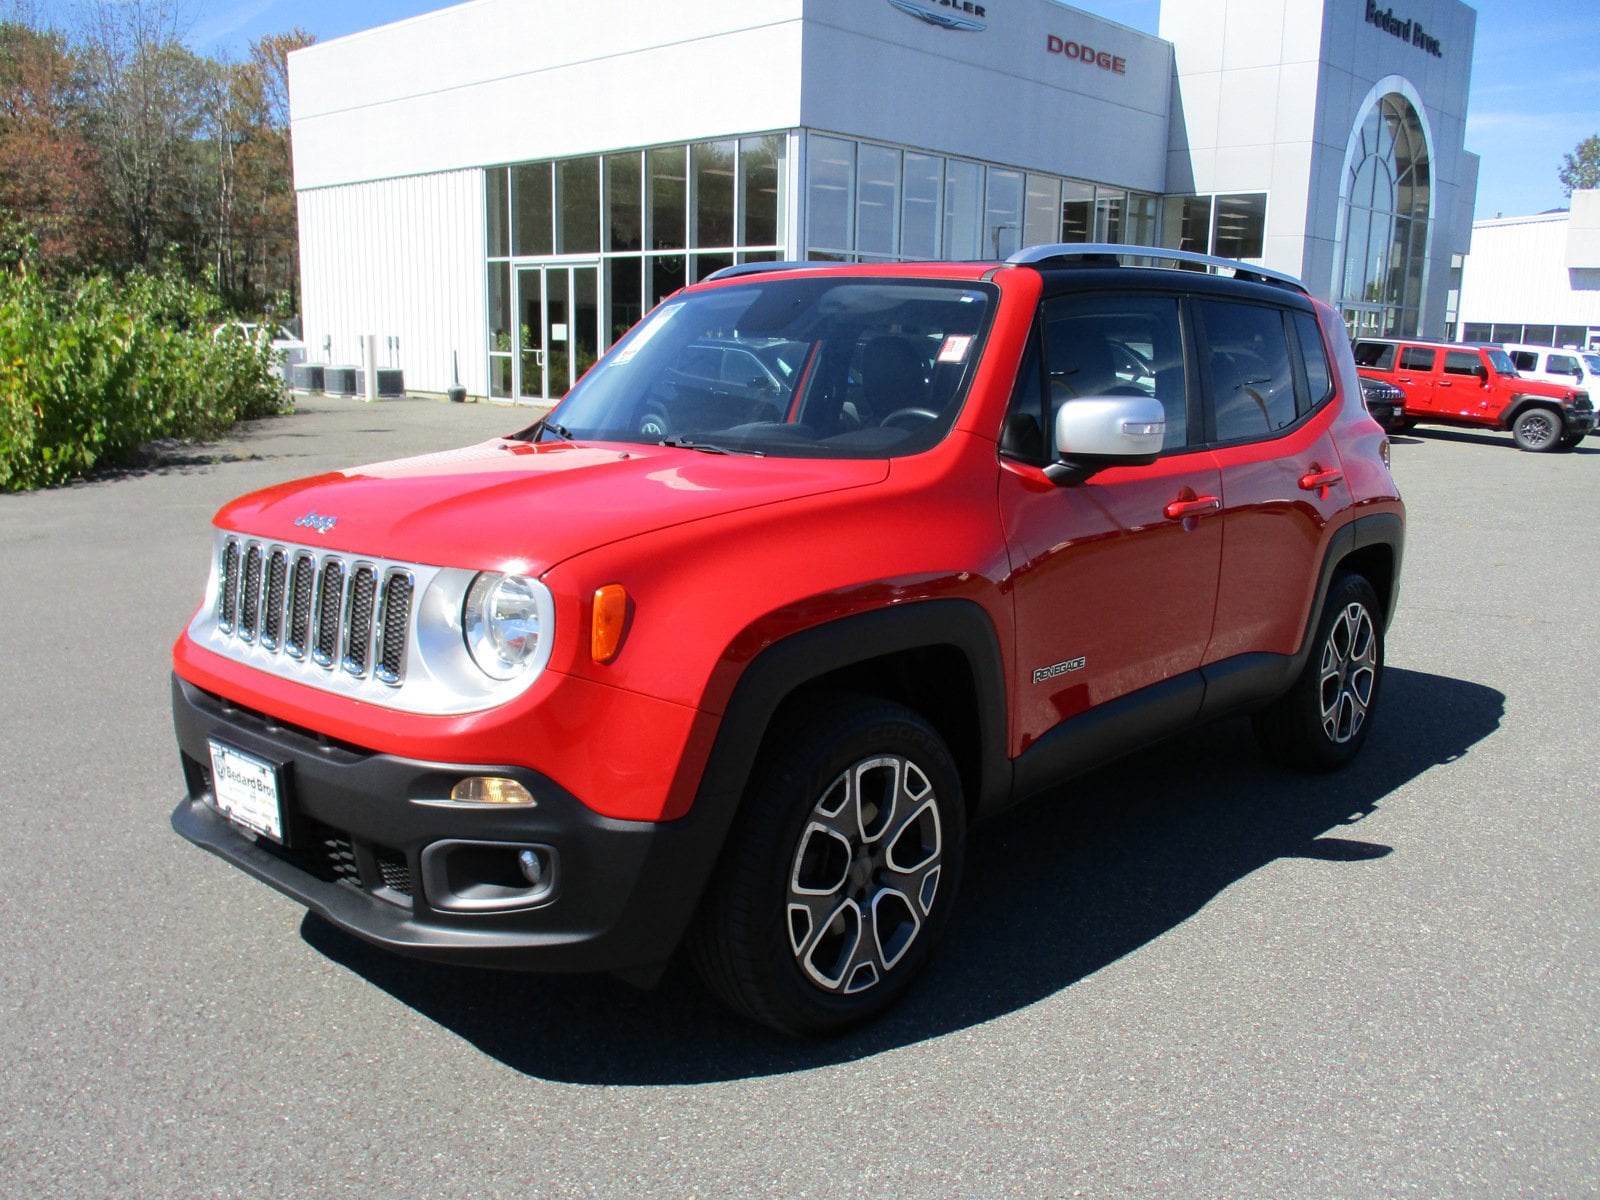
(1517, 274)
(398, 258)
(498, 81)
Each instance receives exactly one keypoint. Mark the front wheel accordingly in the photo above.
(1322, 721)
(840, 872)
(1536, 429)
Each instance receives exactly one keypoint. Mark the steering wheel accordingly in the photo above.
(908, 417)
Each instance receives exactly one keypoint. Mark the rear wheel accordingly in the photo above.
(1536, 429)
(840, 872)
(1321, 723)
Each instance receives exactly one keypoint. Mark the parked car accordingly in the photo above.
(577, 696)
(1568, 367)
(1476, 387)
(1385, 402)
(287, 349)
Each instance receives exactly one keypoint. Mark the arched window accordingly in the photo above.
(1386, 221)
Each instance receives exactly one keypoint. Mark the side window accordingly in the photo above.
(1100, 345)
(1319, 375)
(1377, 355)
(1525, 360)
(1245, 353)
(1562, 364)
(1416, 358)
(1461, 362)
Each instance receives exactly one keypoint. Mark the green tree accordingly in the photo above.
(1581, 168)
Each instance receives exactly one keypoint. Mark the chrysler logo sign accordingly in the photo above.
(961, 15)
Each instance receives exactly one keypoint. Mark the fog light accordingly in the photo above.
(533, 867)
(490, 789)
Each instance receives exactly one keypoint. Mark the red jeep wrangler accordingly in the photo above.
(738, 666)
(1476, 386)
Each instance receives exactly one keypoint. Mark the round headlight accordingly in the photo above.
(500, 620)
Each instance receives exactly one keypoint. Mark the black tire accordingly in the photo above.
(1537, 429)
(1321, 722)
(827, 902)
(1569, 441)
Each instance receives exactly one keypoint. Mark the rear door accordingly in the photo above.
(1272, 403)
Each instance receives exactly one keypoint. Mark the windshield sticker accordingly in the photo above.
(955, 348)
(642, 335)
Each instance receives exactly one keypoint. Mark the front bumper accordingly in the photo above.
(375, 846)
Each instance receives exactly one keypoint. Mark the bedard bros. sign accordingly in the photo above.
(1406, 31)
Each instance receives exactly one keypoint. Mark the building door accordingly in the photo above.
(558, 318)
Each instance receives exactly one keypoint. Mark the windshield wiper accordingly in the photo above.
(555, 427)
(708, 447)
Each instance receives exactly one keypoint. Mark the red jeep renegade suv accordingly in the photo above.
(737, 666)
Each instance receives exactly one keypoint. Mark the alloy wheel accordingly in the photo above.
(1349, 673)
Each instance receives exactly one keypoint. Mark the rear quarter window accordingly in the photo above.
(1377, 355)
(1319, 375)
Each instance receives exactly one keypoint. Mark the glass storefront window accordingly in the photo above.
(1002, 214)
(1141, 222)
(1040, 225)
(877, 192)
(624, 224)
(578, 206)
(830, 177)
(1241, 226)
(531, 220)
(760, 180)
(665, 274)
(500, 306)
(963, 187)
(669, 187)
(919, 209)
(1188, 223)
(1108, 207)
(1386, 202)
(497, 205)
(713, 164)
(625, 294)
(1077, 212)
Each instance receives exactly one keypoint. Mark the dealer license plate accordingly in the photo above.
(247, 790)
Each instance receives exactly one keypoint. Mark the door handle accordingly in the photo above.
(1178, 510)
(1320, 481)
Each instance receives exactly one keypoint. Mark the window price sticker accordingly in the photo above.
(955, 348)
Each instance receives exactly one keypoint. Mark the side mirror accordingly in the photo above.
(1095, 432)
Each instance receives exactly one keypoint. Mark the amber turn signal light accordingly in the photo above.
(610, 614)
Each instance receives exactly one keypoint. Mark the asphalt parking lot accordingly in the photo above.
(1193, 975)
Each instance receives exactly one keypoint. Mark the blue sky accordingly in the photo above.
(1535, 74)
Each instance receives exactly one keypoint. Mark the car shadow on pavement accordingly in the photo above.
(1467, 437)
(1055, 890)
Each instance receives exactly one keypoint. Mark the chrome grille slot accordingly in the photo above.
(250, 594)
(227, 605)
(302, 587)
(358, 620)
(272, 612)
(330, 600)
(395, 606)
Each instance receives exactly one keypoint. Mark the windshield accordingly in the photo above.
(1501, 361)
(829, 368)
(1591, 361)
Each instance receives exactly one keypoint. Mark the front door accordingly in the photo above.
(558, 317)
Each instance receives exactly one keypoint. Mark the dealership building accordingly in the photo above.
(1535, 279)
(495, 191)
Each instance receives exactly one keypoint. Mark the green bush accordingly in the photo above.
(91, 370)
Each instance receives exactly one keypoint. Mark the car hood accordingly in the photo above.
(506, 505)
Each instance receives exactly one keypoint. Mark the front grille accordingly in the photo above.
(303, 604)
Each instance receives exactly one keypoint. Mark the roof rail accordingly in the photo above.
(1099, 254)
(757, 268)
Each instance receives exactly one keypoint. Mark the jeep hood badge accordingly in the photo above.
(315, 520)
